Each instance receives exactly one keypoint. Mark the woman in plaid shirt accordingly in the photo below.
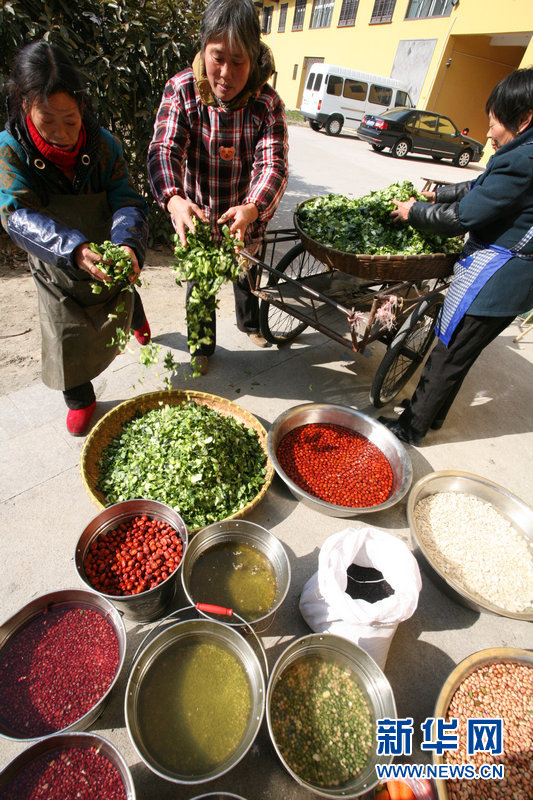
(219, 149)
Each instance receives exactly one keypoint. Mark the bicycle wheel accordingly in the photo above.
(406, 351)
(277, 326)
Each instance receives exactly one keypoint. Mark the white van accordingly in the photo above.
(339, 96)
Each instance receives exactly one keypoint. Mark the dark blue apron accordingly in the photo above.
(478, 263)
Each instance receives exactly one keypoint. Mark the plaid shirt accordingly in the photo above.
(219, 158)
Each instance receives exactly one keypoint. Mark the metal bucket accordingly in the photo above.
(176, 632)
(89, 740)
(151, 604)
(66, 598)
(240, 532)
(373, 684)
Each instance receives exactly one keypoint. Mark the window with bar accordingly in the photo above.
(321, 14)
(282, 17)
(299, 14)
(266, 23)
(421, 9)
(348, 13)
(382, 11)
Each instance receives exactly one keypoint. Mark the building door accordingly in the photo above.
(308, 61)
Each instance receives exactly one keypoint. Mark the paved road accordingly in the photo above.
(320, 164)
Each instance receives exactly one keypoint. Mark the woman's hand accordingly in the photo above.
(429, 196)
(401, 212)
(242, 216)
(88, 261)
(183, 213)
(133, 278)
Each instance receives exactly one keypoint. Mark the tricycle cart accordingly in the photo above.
(392, 299)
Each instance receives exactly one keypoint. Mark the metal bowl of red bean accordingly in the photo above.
(131, 554)
(337, 460)
(324, 697)
(81, 765)
(476, 539)
(493, 684)
(60, 657)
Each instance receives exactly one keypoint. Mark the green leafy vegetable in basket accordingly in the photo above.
(205, 465)
(208, 264)
(364, 224)
(116, 264)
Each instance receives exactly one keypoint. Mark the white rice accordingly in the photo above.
(473, 545)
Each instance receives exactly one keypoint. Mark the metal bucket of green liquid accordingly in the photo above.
(240, 565)
(195, 698)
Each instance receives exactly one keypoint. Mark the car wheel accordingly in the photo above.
(314, 125)
(378, 147)
(400, 148)
(334, 126)
(463, 158)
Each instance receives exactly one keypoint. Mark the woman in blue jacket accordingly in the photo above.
(64, 184)
(493, 280)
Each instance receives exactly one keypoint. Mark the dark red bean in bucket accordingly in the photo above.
(336, 464)
(55, 669)
(67, 773)
(136, 556)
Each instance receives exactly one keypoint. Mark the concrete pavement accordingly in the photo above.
(44, 506)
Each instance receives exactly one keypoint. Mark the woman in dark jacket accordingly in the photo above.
(493, 280)
(64, 184)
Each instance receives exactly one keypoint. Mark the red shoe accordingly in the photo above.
(78, 419)
(144, 334)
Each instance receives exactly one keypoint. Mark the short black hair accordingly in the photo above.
(512, 98)
(236, 19)
(41, 69)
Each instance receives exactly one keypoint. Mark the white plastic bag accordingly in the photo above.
(326, 606)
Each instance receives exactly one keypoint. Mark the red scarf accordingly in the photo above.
(60, 158)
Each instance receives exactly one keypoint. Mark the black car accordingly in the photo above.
(410, 130)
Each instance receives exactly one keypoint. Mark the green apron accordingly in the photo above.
(76, 331)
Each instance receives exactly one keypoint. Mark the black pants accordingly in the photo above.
(83, 395)
(446, 369)
(246, 312)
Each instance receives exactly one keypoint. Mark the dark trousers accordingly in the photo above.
(246, 312)
(81, 396)
(446, 369)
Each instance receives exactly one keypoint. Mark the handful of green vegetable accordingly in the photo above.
(208, 264)
(116, 264)
(364, 225)
(205, 465)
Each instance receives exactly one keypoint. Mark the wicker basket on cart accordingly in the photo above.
(387, 267)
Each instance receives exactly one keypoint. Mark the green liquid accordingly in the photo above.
(237, 576)
(194, 706)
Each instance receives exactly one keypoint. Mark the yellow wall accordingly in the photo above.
(476, 65)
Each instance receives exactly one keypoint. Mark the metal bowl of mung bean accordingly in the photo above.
(475, 539)
(324, 697)
(491, 684)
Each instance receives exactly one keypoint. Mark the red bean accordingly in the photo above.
(67, 772)
(336, 464)
(120, 561)
(55, 669)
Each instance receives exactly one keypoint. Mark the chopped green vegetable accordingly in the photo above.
(116, 264)
(205, 465)
(364, 224)
(208, 264)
